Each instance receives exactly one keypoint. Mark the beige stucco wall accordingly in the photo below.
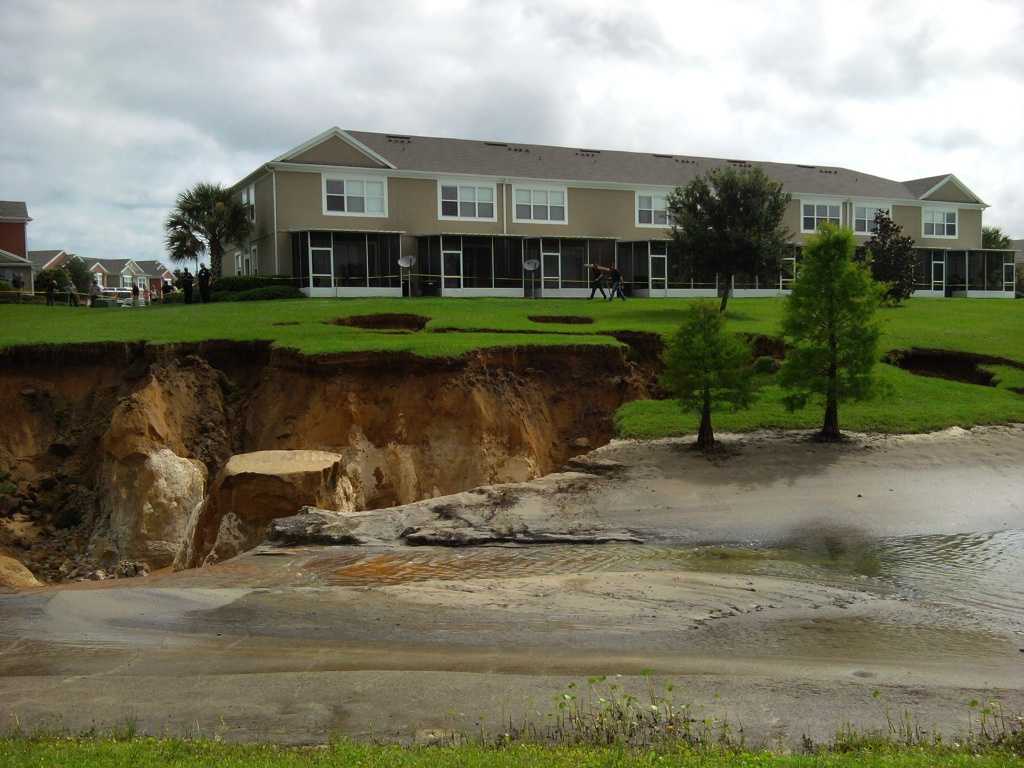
(334, 151)
(950, 192)
(968, 228)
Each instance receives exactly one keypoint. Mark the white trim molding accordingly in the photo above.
(462, 185)
(540, 197)
(334, 132)
(361, 189)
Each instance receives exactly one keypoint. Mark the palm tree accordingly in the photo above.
(205, 219)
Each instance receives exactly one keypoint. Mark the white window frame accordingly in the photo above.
(534, 188)
(636, 207)
(460, 183)
(249, 201)
(349, 177)
(254, 255)
(926, 209)
(872, 204)
(816, 201)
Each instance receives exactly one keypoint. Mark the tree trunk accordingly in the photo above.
(216, 258)
(705, 435)
(830, 429)
(725, 293)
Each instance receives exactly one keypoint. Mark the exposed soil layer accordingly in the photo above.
(567, 319)
(106, 443)
(949, 364)
(384, 322)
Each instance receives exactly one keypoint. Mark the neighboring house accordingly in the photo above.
(14, 264)
(156, 273)
(48, 259)
(339, 210)
(117, 273)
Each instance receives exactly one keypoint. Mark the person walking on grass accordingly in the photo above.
(135, 294)
(616, 278)
(597, 280)
(51, 292)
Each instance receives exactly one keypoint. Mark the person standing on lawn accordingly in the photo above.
(186, 285)
(204, 284)
(135, 294)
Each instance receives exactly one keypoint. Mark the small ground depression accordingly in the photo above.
(565, 319)
(948, 364)
(384, 322)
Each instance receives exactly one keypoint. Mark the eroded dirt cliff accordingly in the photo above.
(109, 452)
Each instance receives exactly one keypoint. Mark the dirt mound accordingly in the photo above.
(567, 319)
(949, 364)
(384, 322)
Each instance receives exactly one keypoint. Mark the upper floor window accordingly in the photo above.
(353, 196)
(816, 214)
(864, 217)
(467, 201)
(938, 222)
(539, 204)
(652, 208)
(249, 201)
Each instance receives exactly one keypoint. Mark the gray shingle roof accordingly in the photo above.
(920, 186)
(13, 209)
(535, 161)
(39, 259)
(152, 268)
(113, 266)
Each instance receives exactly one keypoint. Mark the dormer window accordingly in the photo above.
(354, 196)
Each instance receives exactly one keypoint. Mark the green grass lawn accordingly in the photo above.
(913, 403)
(152, 753)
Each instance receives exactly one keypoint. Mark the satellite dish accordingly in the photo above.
(531, 265)
(407, 261)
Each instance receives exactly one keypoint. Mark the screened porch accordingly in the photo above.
(332, 264)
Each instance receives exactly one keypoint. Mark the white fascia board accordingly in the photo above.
(338, 133)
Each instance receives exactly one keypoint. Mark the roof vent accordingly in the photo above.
(395, 139)
(830, 171)
(809, 167)
(740, 163)
(667, 157)
(686, 160)
(588, 152)
(496, 143)
(517, 149)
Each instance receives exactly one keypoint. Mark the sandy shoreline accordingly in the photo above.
(779, 586)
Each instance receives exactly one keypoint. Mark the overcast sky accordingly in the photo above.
(110, 109)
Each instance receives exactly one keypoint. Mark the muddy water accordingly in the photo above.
(969, 579)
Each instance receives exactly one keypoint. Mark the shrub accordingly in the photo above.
(239, 283)
(766, 364)
(265, 294)
(5, 286)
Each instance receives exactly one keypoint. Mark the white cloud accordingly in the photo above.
(112, 108)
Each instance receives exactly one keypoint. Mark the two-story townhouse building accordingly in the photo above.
(15, 268)
(340, 210)
(117, 273)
